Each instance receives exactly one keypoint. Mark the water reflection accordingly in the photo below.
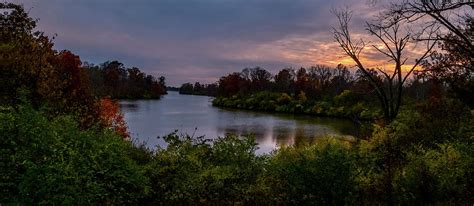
(148, 119)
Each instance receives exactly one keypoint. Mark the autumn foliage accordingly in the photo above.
(111, 117)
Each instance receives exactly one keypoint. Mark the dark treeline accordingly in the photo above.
(317, 82)
(57, 81)
(175, 89)
(113, 79)
(318, 90)
(199, 89)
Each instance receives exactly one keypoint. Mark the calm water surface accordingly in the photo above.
(148, 119)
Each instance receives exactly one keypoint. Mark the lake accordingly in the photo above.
(195, 115)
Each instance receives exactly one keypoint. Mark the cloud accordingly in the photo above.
(199, 40)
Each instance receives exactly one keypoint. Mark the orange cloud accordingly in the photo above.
(321, 49)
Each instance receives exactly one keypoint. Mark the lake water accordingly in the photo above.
(194, 115)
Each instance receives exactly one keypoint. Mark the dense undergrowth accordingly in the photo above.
(53, 161)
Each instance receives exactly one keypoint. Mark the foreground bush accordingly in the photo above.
(323, 173)
(440, 175)
(422, 158)
(198, 171)
(53, 162)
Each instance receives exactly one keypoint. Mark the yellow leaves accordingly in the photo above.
(302, 96)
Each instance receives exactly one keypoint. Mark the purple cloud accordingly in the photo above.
(198, 40)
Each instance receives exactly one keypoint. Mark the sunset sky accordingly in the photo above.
(201, 40)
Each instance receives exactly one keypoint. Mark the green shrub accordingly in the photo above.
(322, 173)
(284, 99)
(440, 175)
(198, 171)
(53, 162)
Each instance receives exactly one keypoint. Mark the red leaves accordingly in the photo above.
(111, 117)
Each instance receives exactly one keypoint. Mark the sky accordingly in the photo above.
(200, 40)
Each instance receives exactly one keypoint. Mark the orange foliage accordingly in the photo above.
(111, 117)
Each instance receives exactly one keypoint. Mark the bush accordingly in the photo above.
(284, 99)
(405, 163)
(53, 162)
(440, 175)
(200, 171)
(322, 173)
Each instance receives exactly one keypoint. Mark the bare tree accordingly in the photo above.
(451, 15)
(394, 40)
(454, 60)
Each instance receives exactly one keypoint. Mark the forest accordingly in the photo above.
(64, 140)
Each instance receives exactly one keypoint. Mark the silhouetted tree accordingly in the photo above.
(285, 80)
(433, 14)
(341, 80)
(260, 79)
(394, 40)
(301, 83)
(229, 85)
(25, 58)
(452, 25)
(113, 79)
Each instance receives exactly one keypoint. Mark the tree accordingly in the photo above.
(320, 78)
(24, 59)
(432, 14)
(230, 85)
(162, 81)
(284, 80)
(393, 42)
(114, 78)
(186, 88)
(111, 117)
(342, 80)
(260, 78)
(452, 65)
(74, 89)
(301, 80)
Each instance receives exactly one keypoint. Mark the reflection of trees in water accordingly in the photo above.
(128, 106)
(276, 130)
(283, 135)
(260, 133)
(344, 127)
(300, 135)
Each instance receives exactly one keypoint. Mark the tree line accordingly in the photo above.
(198, 89)
(318, 81)
(112, 79)
(317, 90)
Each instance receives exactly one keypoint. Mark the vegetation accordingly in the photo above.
(343, 105)
(53, 161)
(63, 143)
(452, 26)
(318, 90)
(114, 80)
(198, 89)
(392, 42)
